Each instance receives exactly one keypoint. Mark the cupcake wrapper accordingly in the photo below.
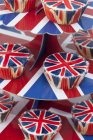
(64, 83)
(62, 16)
(21, 6)
(11, 73)
(65, 70)
(84, 128)
(47, 131)
(33, 137)
(83, 118)
(13, 60)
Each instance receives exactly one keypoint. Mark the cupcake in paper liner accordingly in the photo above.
(6, 104)
(84, 42)
(82, 114)
(64, 11)
(22, 5)
(13, 58)
(39, 124)
(65, 70)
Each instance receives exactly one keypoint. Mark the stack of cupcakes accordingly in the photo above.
(39, 124)
(6, 104)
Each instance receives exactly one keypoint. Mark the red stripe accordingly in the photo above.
(30, 125)
(2, 107)
(51, 116)
(57, 4)
(40, 121)
(27, 20)
(70, 134)
(16, 61)
(72, 93)
(80, 107)
(88, 117)
(47, 128)
(67, 28)
(5, 60)
(33, 114)
(68, 4)
(78, 3)
(51, 61)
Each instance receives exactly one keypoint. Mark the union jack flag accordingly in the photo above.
(6, 104)
(83, 115)
(84, 42)
(60, 67)
(13, 56)
(66, 4)
(40, 123)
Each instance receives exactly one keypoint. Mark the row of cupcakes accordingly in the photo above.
(44, 125)
(59, 11)
(15, 56)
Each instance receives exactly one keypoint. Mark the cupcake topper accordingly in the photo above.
(44, 122)
(68, 4)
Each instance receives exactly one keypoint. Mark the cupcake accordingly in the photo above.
(82, 114)
(39, 124)
(83, 41)
(65, 70)
(64, 11)
(13, 58)
(21, 5)
(6, 104)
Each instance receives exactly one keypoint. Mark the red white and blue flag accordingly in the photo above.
(41, 24)
(13, 55)
(66, 4)
(65, 64)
